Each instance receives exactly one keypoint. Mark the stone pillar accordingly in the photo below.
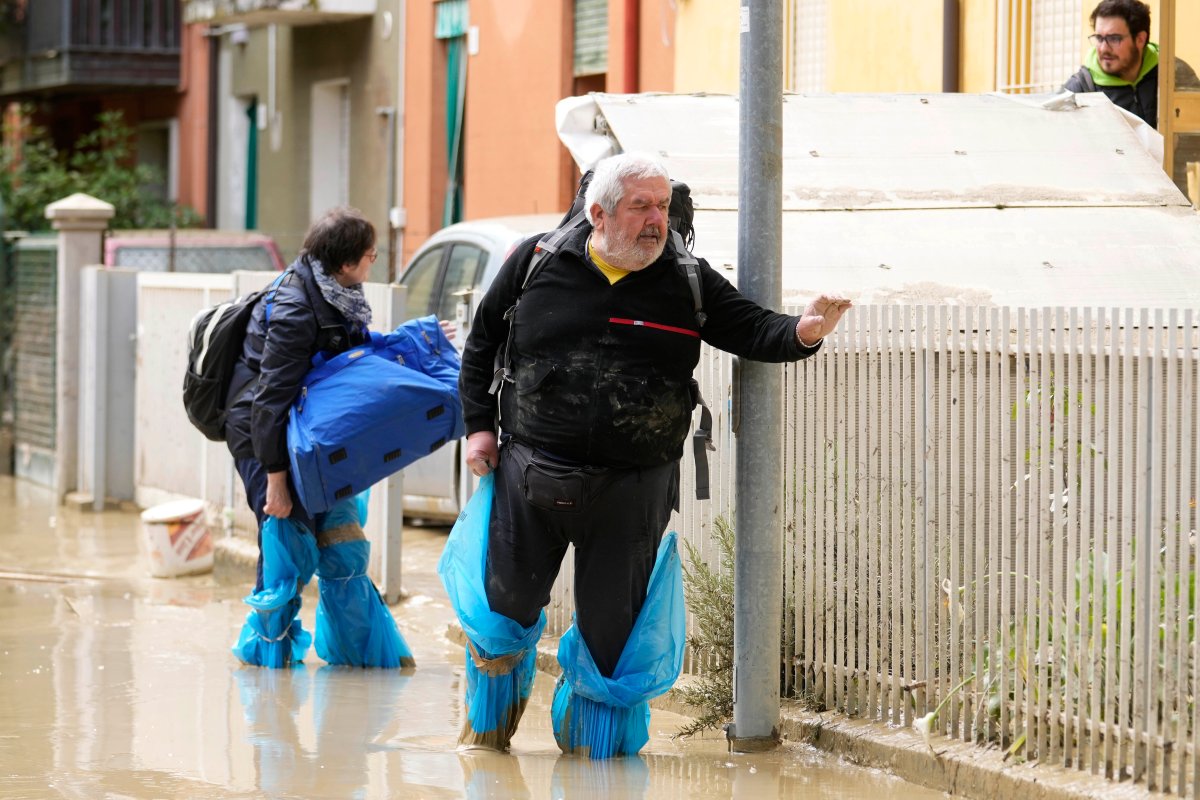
(80, 221)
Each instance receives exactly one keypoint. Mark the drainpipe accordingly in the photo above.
(632, 39)
(214, 118)
(951, 15)
(390, 113)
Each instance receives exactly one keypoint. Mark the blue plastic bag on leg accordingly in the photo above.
(603, 717)
(272, 635)
(501, 656)
(354, 626)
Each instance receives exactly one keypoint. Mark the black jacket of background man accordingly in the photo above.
(270, 372)
(1140, 98)
(602, 373)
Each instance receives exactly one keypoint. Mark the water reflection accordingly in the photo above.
(576, 777)
(351, 711)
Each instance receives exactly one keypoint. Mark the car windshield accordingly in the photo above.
(190, 258)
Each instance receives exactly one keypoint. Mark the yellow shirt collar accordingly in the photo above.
(613, 274)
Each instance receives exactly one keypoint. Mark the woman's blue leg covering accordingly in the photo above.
(354, 625)
(272, 635)
(602, 717)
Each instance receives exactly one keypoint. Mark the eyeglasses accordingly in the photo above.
(1112, 39)
(374, 254)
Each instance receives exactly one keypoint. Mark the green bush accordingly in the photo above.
(36, 174)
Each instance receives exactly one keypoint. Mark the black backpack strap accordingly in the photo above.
(548, 244)
(701, 444)
(691, 269)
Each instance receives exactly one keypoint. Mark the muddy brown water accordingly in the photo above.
(117, 685)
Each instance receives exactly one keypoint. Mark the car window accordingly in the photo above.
(464, 271)
(191, 258)
(422, 281)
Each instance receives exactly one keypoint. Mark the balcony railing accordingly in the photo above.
(253, 13)
(74, 44)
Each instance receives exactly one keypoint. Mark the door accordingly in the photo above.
(330, 150)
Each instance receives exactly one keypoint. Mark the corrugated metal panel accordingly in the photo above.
(33, 342)
(591, 37)
(954, 198)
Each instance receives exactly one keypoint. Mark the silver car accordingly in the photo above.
(446, 277)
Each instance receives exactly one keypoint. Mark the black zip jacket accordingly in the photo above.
(1140, 98)
(601, 373)
(275, 358)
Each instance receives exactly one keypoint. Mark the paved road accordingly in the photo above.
(117, 685)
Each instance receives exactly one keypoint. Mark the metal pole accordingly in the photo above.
(758, 572)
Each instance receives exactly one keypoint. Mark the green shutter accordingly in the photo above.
(452, 19)
(591, 37)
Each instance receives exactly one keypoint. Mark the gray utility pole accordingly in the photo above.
(758, 572)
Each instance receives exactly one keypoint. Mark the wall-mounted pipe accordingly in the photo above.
(951, 51)
(632, 41)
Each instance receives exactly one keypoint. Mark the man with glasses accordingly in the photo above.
(1123, 63)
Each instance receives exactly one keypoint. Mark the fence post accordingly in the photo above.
(80, 221)
(393, 486)
(107, 376)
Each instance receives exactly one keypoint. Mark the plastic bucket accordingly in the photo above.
(179, 539)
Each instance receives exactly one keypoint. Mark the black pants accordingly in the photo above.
(254, 479)
(614, 517)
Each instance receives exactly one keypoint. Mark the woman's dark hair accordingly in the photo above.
(341, 236)
(1135, 13)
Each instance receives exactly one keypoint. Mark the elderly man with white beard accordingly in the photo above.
(586, 432)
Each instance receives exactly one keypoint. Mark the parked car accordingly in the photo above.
(458, 259)
(195, 250)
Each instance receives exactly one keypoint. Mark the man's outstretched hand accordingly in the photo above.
(821, 318)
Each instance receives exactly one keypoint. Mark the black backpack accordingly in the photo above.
(683, 235)
(214, 343)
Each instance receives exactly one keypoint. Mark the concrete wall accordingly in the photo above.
(366, 54)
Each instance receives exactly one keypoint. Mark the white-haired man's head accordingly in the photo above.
(627, 203)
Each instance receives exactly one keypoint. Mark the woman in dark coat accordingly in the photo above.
(316, 307)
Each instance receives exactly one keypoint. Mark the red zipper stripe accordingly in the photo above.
(655, 325)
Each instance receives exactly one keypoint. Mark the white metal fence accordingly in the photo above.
(997, 509)
(991, 512)
(174, 460)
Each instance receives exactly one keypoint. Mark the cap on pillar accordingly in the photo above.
(80, 212)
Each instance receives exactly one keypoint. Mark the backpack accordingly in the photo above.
(215, 341)
(683, 235)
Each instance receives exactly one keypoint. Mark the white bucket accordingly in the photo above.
(179, 539)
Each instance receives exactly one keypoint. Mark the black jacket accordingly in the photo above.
(275, 358)
(1140, 98)
(602, 373)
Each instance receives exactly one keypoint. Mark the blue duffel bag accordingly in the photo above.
(371, 411)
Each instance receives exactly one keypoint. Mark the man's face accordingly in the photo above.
(634, 235)
(1122, 60)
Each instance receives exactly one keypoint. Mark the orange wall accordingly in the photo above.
(656, 47)
(424, 125)
(523, 67)
(513, 160)
(193, 119)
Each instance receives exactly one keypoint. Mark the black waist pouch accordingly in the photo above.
(554, 487)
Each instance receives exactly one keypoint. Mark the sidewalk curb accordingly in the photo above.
(958, 768)
(235, 560)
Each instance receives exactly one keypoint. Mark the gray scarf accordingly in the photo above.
(349, 300)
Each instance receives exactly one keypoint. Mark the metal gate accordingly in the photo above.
(7, 309)
(35, 284)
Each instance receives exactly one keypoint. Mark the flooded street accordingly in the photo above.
(117, 685)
